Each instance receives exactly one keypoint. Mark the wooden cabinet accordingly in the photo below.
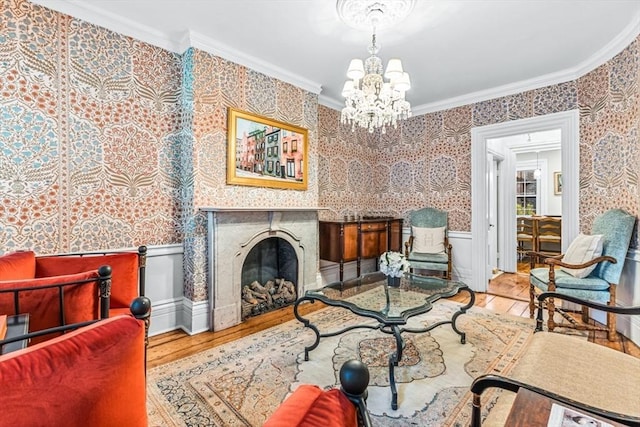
(346, 241)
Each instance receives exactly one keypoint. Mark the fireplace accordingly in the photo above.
(269, 277)
(239, 243)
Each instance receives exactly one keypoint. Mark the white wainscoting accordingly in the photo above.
(461, 260)
(164, 279)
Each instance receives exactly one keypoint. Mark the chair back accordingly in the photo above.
(549, 228)
(616, 226)
(525, 227)
(429, 218)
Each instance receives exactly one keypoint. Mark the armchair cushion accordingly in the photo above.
(589, 288)
(428, 240)
(18, 265)
(124, 267)
(439, 258)
(584, 248)
(311, 406)
(94, 376)
(81, 300)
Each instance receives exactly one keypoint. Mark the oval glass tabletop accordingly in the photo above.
(371, 294)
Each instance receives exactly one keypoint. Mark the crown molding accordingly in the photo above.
(82, 10)
(214, 47)
(330, 102)
(611, 49)
(178, 43)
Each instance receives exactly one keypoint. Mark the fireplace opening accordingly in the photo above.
(269, 277)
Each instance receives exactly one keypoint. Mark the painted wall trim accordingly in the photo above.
(214, 47)
(615, 46)
(568, 122)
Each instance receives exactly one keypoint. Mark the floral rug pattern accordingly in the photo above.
(243, 382)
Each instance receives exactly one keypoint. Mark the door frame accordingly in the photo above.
(569, 125)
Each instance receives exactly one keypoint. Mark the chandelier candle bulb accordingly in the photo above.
(347, 89)
(356, 69)
(394, 69)
(370, 101)
(403, 83)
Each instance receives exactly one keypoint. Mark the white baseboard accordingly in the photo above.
(165, 316)
(180, 313)
(195, 316)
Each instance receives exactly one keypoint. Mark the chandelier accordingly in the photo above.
(374, 100)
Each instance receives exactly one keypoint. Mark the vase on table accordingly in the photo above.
(393, 282)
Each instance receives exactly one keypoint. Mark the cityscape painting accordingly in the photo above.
(265, 153)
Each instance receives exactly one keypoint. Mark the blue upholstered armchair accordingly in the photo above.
(428, 247)
(589, 270)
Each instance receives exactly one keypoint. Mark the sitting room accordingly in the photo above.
(309, 196)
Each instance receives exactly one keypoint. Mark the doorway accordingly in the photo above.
(567, 123)
(535, 160)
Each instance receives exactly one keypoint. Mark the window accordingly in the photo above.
(527, 199)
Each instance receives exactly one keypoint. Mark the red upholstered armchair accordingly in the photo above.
(93, 376)
(310, 406)
(127, 272)
(60, 289)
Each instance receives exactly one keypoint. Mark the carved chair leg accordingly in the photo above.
(612, 334)
(585, 314)
(532, 300)
(551, 308)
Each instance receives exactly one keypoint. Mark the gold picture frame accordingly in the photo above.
(262, 152)
(557, 183)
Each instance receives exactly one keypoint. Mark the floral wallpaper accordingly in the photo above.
(108, 142)
(87, 117)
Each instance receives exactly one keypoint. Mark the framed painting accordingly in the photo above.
(263, 152)
(557, 183)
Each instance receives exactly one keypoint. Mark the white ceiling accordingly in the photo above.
(456, 51)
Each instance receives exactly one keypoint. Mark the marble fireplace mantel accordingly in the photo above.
(233, 231)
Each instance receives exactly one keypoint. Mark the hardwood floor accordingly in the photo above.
(515, 287)
(507, 295)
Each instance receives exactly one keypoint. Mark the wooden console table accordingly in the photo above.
(355, 240)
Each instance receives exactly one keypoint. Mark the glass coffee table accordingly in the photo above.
(392, 306)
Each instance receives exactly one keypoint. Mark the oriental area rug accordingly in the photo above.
(243, 382)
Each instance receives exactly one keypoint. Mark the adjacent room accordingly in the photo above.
(319, 212)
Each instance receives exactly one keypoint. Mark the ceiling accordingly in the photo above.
(456, 51)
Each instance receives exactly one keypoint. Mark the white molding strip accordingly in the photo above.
(330, 102)
(195, 316)
(214, 47)
(611, 49)
(162, 250)
(96, 15)
(165, 316)
(178, 44)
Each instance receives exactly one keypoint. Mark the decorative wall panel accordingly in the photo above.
(86, 149)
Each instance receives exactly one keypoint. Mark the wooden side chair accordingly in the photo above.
(590, 270)
(428, 247)
(526, 236)
(548, 237)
